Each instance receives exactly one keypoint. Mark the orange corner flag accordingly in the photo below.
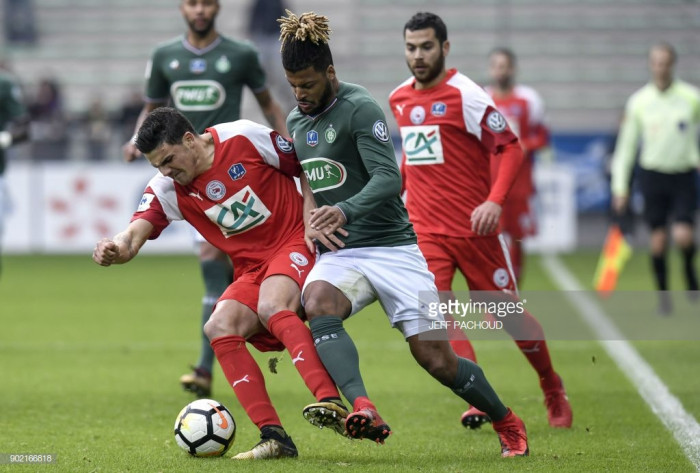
(616, 252)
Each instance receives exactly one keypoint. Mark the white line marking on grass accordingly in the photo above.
(655, 393)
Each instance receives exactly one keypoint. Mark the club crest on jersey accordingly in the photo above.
(222, 65)
(216, 190)
(496, 122)
(198, 66)
(501, 278)
(236, 171)
(438, 109)
(283, 144)
(298, 258)
(417, 115)
(330, 134)
(312, 138)
(381, 131)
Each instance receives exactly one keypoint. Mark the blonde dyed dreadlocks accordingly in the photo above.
(308, 26)
(305, 41)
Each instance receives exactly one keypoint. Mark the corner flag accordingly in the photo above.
(616, 251)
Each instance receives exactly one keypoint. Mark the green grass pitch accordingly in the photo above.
(90, 359)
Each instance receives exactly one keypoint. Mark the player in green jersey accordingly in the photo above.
(14, 128)
(367, 246)
(203, 74)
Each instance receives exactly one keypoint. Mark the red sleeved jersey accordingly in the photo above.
(246, 204)
(448, 134)
(523, 108)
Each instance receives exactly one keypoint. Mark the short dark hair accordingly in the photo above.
(164, 125)
(507, 52)
(305, 42)
(423, 20)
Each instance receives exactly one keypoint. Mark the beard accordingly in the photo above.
(201, 32)
(432, 72)
(324, 100)
(505, 82)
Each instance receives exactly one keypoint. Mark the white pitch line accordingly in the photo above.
(664, 405)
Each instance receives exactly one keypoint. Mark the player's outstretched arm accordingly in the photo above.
(124, 246)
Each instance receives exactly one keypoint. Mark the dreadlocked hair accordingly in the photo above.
(305, 41)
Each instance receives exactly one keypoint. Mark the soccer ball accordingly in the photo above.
(205, 428)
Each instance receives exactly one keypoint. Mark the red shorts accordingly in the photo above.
(484, 261)
(293, 260)
(517, 218)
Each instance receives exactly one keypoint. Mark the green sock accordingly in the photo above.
(472, 386)
(339, 355)
(217, 276)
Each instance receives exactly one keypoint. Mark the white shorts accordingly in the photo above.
(397, 276)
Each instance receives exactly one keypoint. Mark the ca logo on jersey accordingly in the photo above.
(197, 95)
(243, 211)
(324, 174)
(422, 145)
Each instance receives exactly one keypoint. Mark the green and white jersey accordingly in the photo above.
(206, 85)
(11, 107)
(666, 124)
(348, 158)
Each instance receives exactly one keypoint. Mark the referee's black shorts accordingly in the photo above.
(668, 196)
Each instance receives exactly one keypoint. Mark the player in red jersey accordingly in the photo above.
(234, 184)
(449, 129)
(523, 109)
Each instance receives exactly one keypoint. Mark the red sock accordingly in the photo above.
(459, 341)
(244, 375)
(529, 336)
(288, 328)
(362, 402)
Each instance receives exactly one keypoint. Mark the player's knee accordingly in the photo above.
(324, 299)
(268, 308)
(315, 307)
(682, 234)
(213, 328)
(221, 324)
